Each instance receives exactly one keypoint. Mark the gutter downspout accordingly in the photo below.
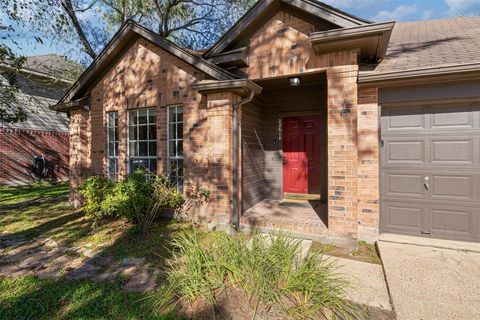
(237, 156)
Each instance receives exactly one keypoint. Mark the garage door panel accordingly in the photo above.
(430, 171)
(404, 185)
(453, 187)
(405, 152)
(403, 218)
(402, 119)
(457, 151)
(452, 117)
(451, 222)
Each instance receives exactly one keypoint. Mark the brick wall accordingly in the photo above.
(148, 77)
(280, 49)
(368, 162)
(79, 142)
(19, 146)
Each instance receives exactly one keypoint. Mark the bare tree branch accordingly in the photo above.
(68, 7)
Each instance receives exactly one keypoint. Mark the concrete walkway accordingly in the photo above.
(368, 287)
(431, 282)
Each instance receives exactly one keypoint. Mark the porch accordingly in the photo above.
(285, 157)
(305, 217)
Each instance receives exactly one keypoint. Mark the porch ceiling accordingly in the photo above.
(283, 83)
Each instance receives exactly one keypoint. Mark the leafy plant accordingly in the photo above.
(269, 270)
(130, 196)
(147, 196)
(139, 198)
(95, 190)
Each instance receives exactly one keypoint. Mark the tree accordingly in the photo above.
(71, 12)
(191, 23)
(10, 64)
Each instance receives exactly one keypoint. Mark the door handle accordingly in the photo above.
(285, 160)
(426, 184)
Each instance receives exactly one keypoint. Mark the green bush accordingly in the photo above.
(130, 195)
(95, 190)
(270, 271)
(138, 198)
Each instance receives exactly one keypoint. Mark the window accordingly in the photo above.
(175, 145)
(142, 139)
(112, 145)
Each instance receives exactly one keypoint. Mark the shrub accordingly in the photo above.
(147, 196)
(139, 198)
(130, 195)
(95, 189)
(269, 270)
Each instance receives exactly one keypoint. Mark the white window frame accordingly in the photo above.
(115, 141)
(176, 139)
(129, 157)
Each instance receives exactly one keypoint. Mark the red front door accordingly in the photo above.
(301, 154)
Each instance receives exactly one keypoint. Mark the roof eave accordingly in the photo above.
(372, 39)
(410, 77)
(83, 103)
(239, 86)
(129, 30)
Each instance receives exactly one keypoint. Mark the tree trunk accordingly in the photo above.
(68, 6)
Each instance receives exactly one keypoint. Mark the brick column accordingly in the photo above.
(208, 152)
(220, 154)
(368, 161)
(342, 150)
(79, 153)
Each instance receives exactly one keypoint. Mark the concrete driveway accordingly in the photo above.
(432, 279)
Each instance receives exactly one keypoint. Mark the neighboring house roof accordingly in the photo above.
(428, 46)
(124, 37)
(42, 83)
(54, 65)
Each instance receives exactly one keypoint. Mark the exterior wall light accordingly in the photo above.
(294, 81)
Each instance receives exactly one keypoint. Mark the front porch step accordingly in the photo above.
(301, 197)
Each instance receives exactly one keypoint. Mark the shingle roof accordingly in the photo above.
(433, 43)
(54, 65)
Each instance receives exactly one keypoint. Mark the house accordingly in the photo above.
(301, 116)
(43, 80)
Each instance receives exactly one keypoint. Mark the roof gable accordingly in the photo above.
(335, 17)
(122, 40)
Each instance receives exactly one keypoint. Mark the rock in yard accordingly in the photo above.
(133, 261)
(89, 253)
(51, 244)
(211, 226)
(142, 280)
(104, 261)
(86, 270)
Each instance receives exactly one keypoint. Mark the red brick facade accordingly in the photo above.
(149, 77)
(19, 146)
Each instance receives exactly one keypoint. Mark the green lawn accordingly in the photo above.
(17, 194)
(69, 227)
(33, 298)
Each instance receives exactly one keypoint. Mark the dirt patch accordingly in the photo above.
(232, 304)
(363, 252)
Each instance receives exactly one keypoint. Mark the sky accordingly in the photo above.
(375, 10)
